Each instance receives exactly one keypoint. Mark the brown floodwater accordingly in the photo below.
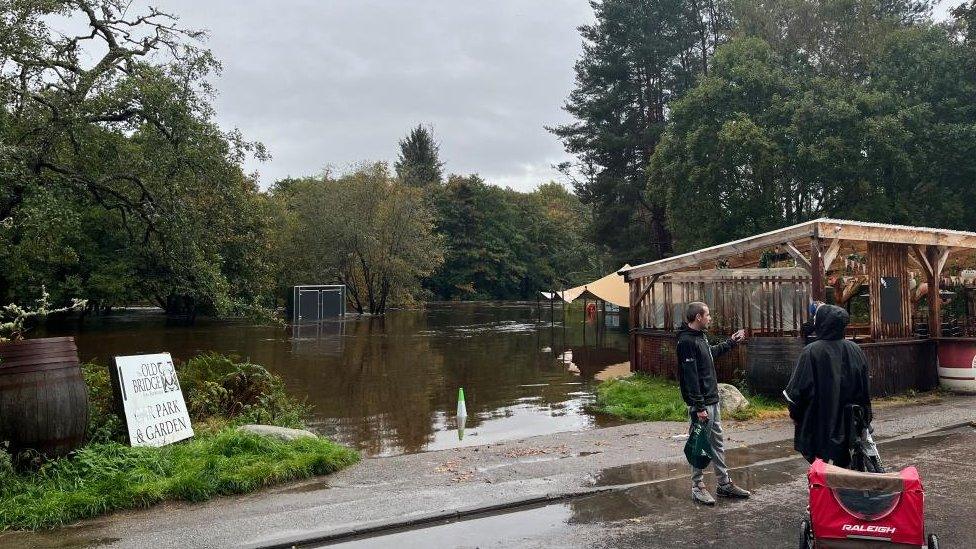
(388, 385)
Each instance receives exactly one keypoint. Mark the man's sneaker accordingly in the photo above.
(700, 495)
(732, 491)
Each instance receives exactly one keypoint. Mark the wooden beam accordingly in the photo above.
(922, 260)
(713, 253)
(725, 274)
(831, 255)
(817, 290)
(936, 256)
(800, 260)
(894, 234)
(834, 229)
(943, 255)
(636, 304)
(852, 287)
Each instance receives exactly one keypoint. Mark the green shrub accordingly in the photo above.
(240, 392)
(104, 424)
(6, 466)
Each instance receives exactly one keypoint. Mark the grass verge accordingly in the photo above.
(107, 474)
(105, 477)
(646, 398)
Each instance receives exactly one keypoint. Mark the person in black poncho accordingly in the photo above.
(831, 374)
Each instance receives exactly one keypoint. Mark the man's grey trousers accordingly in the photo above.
(718, 447)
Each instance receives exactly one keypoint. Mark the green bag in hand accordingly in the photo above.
(698, 450)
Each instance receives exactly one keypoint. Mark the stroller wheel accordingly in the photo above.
(806, 537)
(933, 542)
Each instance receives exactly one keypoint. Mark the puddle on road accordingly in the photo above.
(659, 471)
(665, 494)
(56, 539)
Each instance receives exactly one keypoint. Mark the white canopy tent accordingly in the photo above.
(611, 288)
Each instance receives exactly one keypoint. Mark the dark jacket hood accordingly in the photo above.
(688, 329)
(830, 322)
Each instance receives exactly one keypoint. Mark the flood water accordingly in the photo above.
(388, 385)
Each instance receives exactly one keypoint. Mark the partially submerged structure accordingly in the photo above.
(314, 303)
(608, 289)
(827, 256)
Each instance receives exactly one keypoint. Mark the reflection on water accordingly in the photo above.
(388, 385)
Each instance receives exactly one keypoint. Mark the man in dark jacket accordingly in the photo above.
(699, 389)
(831, 374)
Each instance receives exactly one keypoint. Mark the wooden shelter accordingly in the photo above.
(891, 260)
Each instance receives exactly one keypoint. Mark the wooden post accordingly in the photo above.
(936, 256)
(632, 311)
(552, 313)
(584, 323)
(818, 290)
(562, 301)
(632, 314)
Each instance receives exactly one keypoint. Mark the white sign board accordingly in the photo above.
(153, 401)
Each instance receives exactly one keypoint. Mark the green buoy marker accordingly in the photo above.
(462, 413)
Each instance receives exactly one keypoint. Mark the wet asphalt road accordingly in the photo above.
(658, 512)
(382, 492)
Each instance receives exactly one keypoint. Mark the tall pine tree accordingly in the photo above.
(637, 56)
(418, 164)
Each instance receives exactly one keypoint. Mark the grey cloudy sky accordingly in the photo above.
(334, 82)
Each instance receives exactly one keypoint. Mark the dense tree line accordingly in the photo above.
(638, 56)
(503, 244)
(394, 239)
(780, 111)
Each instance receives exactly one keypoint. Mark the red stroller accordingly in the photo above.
(855, 509)
(864, 506)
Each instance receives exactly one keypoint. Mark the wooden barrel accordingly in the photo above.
(770, 363)
(43, 397)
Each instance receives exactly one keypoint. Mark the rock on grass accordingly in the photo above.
(280, 433)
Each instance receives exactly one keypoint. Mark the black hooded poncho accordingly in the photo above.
(830, 374)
